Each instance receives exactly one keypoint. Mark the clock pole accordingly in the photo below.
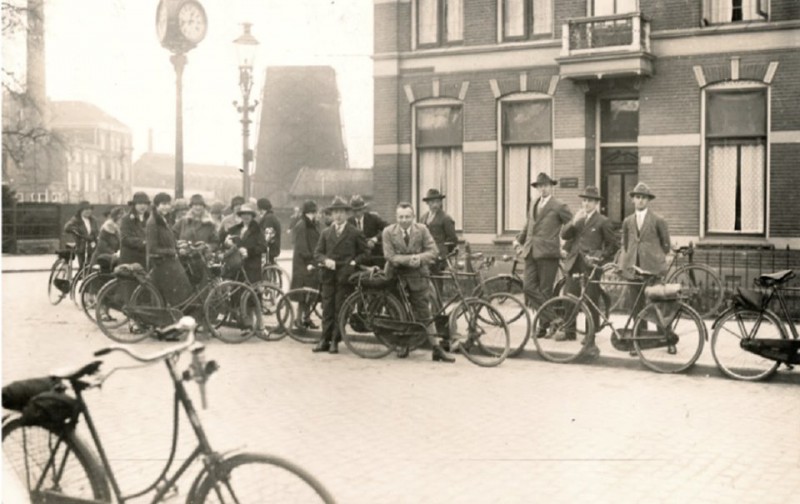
(178, 61)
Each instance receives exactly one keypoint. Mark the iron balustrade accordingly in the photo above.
(619, 32)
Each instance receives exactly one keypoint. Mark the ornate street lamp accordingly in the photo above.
(180, 26)
(246, 46)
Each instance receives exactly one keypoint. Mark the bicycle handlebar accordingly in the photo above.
(185, 324)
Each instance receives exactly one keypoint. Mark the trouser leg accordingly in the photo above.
(328, 301)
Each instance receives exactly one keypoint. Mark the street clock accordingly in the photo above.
(180, 24)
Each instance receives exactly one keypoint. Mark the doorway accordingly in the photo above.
(619, 155)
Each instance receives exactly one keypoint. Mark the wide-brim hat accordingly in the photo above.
(544, 179)
(591, 192)
(84, 205)
(247, 208)
(140, 198)
(197, 199)
(433, 194)
(338, 204)
(357, 202)
(641, 189)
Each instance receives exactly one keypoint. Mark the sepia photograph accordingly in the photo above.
(400, 251)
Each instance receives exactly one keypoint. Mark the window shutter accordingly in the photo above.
(440, 127)
(527, 122)
(736, 114)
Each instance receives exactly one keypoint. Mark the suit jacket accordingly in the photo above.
(443, 230)
(420, 243)
(646, 248)
(373, 228)
(540, 236)
(350, 246)
(306, 235)
(594, 236)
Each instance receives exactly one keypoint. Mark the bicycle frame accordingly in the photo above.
(161, 485)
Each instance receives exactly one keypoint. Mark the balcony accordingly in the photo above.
(606, 46)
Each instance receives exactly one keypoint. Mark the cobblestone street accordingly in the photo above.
(414, 431)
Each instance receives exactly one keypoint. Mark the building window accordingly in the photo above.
(439, 22)
(611, 7)
(439, 139)
(736, 152)
(729, 11)
(524, 19)
(527, 140)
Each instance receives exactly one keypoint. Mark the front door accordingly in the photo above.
(619, 155)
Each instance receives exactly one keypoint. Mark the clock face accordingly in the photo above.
(192, 21)
(161, 21)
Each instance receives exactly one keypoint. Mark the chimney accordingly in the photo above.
(150, 140)
(35, 75)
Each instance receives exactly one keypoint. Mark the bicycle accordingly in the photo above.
(130, 308)
(305, 304)
(270, 271)
(101, 274)
(373, 322)
(57, 466)
(564, 327)
(749, 341)
(700, 284)
(64, 275)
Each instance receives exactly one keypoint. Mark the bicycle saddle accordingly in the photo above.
(777, 278)
(76, 372)
(643, 272)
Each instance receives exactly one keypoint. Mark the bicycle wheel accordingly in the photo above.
(276, 275)
(508, 284)
(614, 293)
(232, 312)
(276, 314)
(735, 326)
(516, 316)
(676, 343)
(121, 308)
(254, 477)
(356, 326)
(89, 290)
(53, 468)
(701, 286)
(307, 325)
(75, 285)
(480, 332)
(58, 284)
(560, 329)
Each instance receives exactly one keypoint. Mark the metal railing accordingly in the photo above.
(620, 32)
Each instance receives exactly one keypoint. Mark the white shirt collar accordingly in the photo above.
(641, 213)
(543, 201)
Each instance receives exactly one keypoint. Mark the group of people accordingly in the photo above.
(357, 237)
(645, 243)
(147, 233)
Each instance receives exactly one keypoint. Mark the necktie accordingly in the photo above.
(406, 238)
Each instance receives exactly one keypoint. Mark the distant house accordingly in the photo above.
(322, 184)
(153, 173)
(300, 127)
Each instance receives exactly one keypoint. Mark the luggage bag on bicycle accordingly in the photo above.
(41, 403)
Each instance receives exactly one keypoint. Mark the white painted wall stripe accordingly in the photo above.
(462, 95)
(771, 69)
(689, 140)
(523, 82)
(569, 143)
(699, 76)
(480, 146)
(789, 136)
(409, 93)
(435, 89)
(392, 149)
(495, 88)
(553, 85)
(735, 68)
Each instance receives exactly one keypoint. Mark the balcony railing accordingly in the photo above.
(602, 34)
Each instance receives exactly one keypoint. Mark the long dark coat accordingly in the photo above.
(443, 230)
(132, 237)
(83, 238)
(253, 240)
(167, 272)
(306, 235)
(108, 242)
(269, 220)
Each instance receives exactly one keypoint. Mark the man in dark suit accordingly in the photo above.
(590, 234)
(441, 226)
(410, 250)
(372, 226)
(539, 243)
(339, 249)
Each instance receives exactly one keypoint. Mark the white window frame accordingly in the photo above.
(705, 14)
(528, 36)
(416, 199)
(590, 8)
(704, 146)
(441, 29)
(527, 96)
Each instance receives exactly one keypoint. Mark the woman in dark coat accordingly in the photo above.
(108, 243)
(132, 231)
(249, 240)
(83, 228)
(306, 235)
(167, 272)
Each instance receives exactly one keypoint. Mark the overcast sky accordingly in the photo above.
(106, 52)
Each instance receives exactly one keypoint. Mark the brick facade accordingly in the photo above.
(670, 107)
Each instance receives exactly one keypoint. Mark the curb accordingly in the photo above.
(5, 271)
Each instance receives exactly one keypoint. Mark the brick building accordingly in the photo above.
(155, 172)
(698, 98)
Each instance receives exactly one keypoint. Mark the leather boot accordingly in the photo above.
(439, 355)
(323, 345)
(334, 349)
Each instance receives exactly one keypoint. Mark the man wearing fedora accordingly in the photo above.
(441, 226)
(247, 238)
(340, 248)
(539, 242)
(589, 233)
(372, 226)
(197, 226)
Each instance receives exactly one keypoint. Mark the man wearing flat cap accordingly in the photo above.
(589, 233)
(539, 242)
(372, 226)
